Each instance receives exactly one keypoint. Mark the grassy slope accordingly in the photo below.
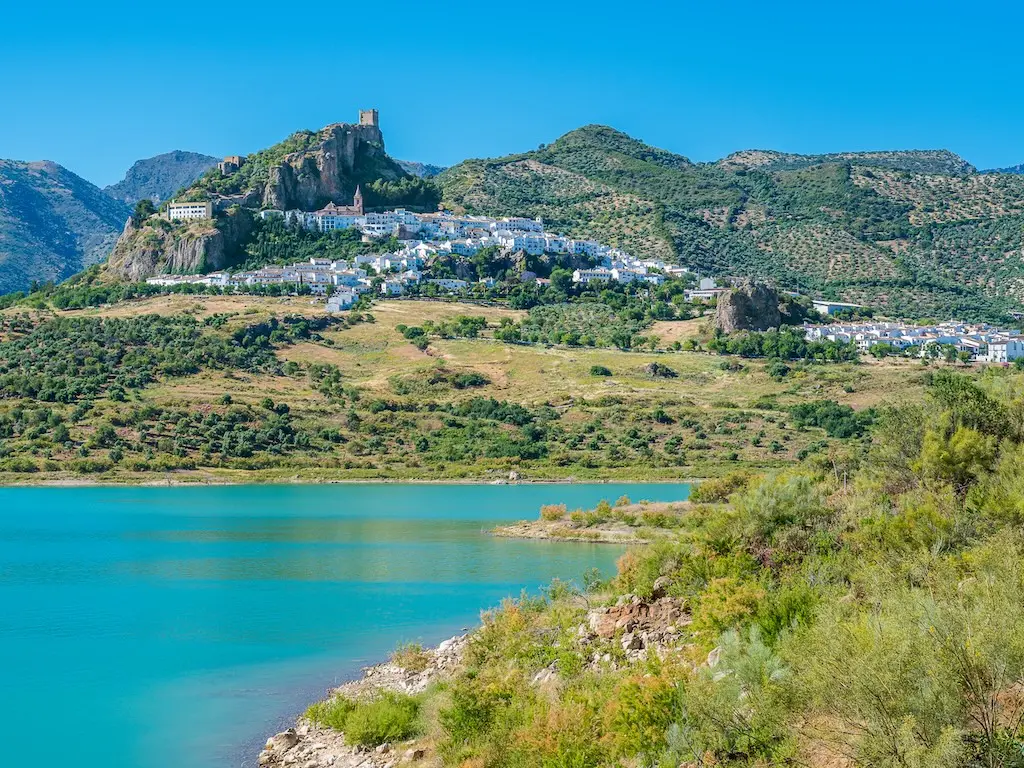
(710, 409)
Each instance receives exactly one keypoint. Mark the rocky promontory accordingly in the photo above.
(157, 246)
(304, 172)
(630, 630)
(639, 523)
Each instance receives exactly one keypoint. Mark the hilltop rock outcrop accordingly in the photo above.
(158, 248)
(748, 307)
(305, 172)
(330, 170)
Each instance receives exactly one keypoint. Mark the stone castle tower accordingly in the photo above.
(369, 117)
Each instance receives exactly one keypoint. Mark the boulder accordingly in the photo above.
(748, 307)
(660, 587)
(632, 642)
(283, 741)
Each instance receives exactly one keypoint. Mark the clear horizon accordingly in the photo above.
(105, 87)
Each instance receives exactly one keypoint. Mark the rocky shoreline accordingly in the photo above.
(307, 745)
(626, 632)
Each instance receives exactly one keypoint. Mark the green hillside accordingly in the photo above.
(913, 233)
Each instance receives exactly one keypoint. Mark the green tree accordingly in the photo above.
(957, 458)
(561, 280)
(143, 210)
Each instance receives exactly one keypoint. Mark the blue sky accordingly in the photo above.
(98, 86)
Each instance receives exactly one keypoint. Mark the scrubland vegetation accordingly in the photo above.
(225, 387)
(861, 608)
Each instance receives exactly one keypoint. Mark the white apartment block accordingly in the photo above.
(1005, 351)
(186, 211)
(596, 275)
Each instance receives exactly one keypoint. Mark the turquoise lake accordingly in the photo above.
(159, 627)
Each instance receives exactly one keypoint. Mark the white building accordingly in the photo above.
(185, 211)
(596, 275)
(449, 284)
(831, 307)
(341, 300)
(1005, 351)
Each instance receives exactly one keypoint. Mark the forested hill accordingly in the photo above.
(910, 232)
(53, 223)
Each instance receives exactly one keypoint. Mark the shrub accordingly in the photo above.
(389, 717)
(552, 512)
(600, 370)
(777, 502)
(660, 370)
(725, 603)
(411, 657)
(837, 420)
(331, 713)
(777, 369)
(717, 490)
(639, 713)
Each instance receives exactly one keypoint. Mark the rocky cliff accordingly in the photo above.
(748, 307)
(328, 171)
(159, 247)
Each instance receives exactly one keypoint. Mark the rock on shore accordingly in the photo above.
(310, 746)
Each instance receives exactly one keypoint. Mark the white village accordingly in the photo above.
(423, 236)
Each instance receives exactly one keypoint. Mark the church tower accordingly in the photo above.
(357, 201)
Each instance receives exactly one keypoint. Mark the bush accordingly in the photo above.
(660, 370)
(717, 490)
(388, 717)
(778, 502)
(411, 657)
(600, 370)
(331, 713)
(837, 420)
(552, 512)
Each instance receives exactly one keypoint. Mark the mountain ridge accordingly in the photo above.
(53, 223)
(160, 176)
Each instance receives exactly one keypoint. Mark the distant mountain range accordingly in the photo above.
(423, 170)
(52, 223)
(1015, 169)
(914, 233)
(160, 177)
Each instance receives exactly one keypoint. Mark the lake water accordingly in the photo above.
(158, 627)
